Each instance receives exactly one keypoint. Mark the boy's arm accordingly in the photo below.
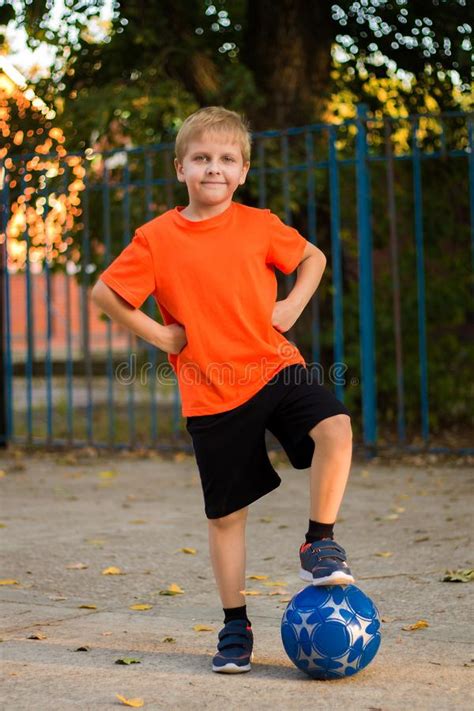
(309, 274)
(170, 339)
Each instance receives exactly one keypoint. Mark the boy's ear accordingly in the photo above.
(245, 170)
(178, 166)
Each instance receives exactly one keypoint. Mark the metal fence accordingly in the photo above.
(379, 195)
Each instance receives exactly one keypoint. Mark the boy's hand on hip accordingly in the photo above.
(285, 314)
(174, 338)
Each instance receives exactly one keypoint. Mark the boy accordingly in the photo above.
(210, 266)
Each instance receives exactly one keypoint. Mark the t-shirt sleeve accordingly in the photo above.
(131, 274)
(286, 245)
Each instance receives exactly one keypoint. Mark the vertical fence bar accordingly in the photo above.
(130, 337)
(262, 183)
(69, 358)
(151, 308)
(9, 389)
(109, 327)
(85, 321)
(312, 233)
(69, 352)
(48, 362)
(6, 418)
(420, 280)
(395, 271)
(29, 330)
(176, 417)
(366, 297)
(335, 209)
(470, 129)
(285, 159)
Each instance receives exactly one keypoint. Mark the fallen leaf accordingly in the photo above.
(88, 607)
(135, 703)
(276, 583)
(390, 517)
(265, 519)
(173, 589)
(9, 581)
(168, 639)
(37, 635)
(3, 525)
(203, 628)
(278, 592)
(77, 566)
(127, 660)
(251, 592)
(422, 539)
(112, 570)
(190, 551)
(286, 599)
(384, 554)
(140, 606)
(57, 598)
(458, 576)
(180, 457)
(416, 626)
(398, 509)
(257, 577)
(2, 473)
(110, 474)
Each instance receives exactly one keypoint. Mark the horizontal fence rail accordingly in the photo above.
(389, 200)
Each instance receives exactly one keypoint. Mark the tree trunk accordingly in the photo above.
(288, 47)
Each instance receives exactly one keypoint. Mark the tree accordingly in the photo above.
(273, 59)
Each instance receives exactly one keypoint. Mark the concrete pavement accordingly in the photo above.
(67, 517)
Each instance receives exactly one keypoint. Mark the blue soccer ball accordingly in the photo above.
(331, 631)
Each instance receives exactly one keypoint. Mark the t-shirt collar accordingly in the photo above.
(208, 223)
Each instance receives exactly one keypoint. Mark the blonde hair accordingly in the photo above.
(213, 118)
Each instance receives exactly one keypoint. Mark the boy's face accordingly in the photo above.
(212, 168)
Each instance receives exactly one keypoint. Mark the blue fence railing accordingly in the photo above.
(389, 200)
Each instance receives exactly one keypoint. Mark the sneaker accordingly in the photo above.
(234, 649)
(324, 563)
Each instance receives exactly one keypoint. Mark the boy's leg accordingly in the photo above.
(323, 561)
(227, 551)
(330, 466)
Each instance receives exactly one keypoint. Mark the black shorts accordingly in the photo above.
(230, 447)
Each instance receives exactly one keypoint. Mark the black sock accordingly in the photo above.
(236, 613)
(317, 531)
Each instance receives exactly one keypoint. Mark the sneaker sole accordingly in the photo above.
(335, 578)
(232, 668)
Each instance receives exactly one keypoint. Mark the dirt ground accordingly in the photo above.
(66, 517)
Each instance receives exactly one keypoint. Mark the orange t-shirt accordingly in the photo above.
(216, 278)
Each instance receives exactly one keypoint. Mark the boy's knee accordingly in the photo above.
(336, 429)
(229, 520)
